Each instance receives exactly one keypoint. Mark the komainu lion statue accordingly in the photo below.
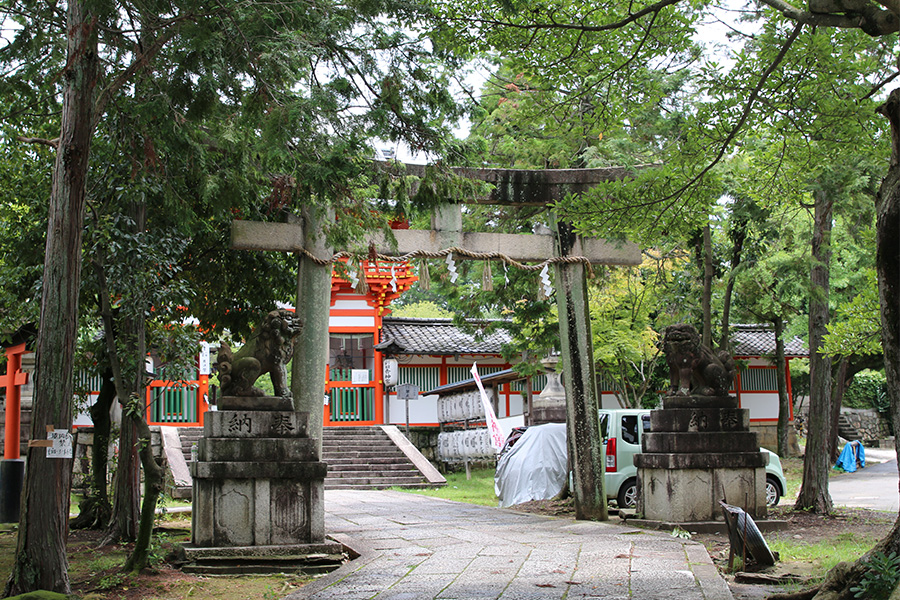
(693, 368)
(268, 350)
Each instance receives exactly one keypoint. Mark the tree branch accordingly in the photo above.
(631, 18)
(870, 19)
(54, 143)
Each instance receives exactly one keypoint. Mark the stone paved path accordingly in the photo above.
(414, 547)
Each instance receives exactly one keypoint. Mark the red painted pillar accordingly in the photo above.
(13, 380)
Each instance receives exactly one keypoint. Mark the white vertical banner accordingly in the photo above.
(493, 425)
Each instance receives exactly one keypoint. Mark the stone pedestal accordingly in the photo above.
(258, 487)
(700, 450)
(550, 405)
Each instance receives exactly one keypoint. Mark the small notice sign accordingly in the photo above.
(203, 361)
(359, 376)
(62, 443)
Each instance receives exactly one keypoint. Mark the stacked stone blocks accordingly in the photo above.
(700, 450)
(258, 484)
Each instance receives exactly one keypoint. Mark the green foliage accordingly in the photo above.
(625, 325)
(424, 309)
(856, 328)
(868, 389)
(880, 579)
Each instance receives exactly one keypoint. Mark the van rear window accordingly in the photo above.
(630, 429)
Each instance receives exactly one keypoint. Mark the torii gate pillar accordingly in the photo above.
(12, 467)
(313, 306)
(582, 425)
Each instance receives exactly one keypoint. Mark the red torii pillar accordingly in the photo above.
(12, 467)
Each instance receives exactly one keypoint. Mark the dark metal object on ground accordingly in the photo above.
(745, 537)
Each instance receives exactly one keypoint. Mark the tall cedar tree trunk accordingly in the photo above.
(814, 495)
(706, 299)
(839, 580)
(784, 401)
(40, 562)
(94, 510)
(838, 386)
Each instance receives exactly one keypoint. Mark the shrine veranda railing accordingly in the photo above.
(173, 403)
(351, 401)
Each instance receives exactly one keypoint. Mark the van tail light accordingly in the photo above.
(611, 455)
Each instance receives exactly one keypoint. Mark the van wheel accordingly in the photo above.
(773, 493)
(628, 494)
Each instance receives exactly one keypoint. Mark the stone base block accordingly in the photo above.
(700, 402)
(255, 403)
(700, 419)
(731, 460)
(276, 450)
(688, 495)
(309, 559)
(254, 424)
(257, 512)
(700, 442)
(548, 414)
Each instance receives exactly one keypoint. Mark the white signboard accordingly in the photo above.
(408, 391)
(62, 444)
(359, 376)
(203, 362)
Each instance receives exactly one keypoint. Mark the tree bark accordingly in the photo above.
(706, 299)
(784, 401)
(838, 386)
(814, 495)
(40, 561)
(153, 487)
(95, 510)
(125, 509)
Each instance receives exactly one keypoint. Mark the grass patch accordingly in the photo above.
(96, 572)
(477, 490)
(822, 556)
(793, 475)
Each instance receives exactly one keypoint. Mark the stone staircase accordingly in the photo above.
(846, 430)
(367, 458)
(358, 458)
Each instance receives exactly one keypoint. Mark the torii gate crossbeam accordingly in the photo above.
(538, 187)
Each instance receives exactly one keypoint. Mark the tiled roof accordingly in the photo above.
(436, 336)
(759, 340)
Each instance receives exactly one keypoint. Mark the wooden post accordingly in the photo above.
(582, 426)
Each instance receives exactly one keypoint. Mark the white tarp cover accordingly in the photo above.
(535, 467)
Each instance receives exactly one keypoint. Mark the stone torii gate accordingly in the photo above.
(567, 252)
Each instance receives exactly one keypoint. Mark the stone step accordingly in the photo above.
(363, 456)
(372, 482)
(341, 448)
(846, 430)
(357, 458)
(362, 471)
(338, 484)
(353, 466)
